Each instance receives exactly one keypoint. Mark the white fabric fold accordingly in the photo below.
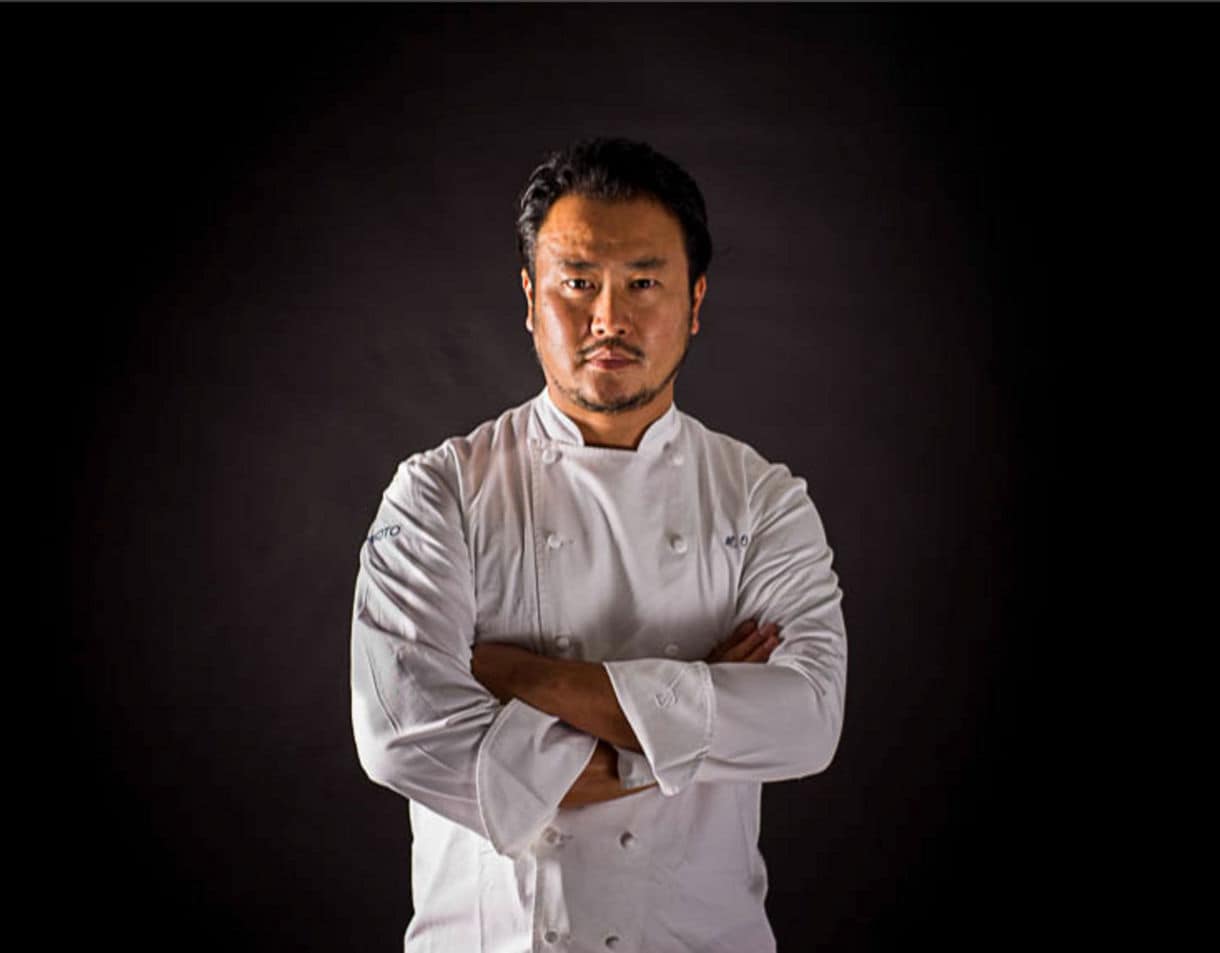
(424, 727)
(641, 561)
(526, 763)
(634, 771)
(671, 708)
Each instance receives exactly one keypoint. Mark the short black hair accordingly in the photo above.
(614, 170)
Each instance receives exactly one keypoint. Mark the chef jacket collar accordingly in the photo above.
(559, 427)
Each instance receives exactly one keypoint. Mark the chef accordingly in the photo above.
(586, 633)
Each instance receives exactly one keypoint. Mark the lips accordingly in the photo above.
(609, 359)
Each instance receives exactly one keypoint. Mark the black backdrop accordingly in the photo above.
(285, 238)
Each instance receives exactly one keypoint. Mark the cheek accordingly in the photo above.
(558, 321)
(672, 333)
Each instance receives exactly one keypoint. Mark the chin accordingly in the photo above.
(615, 401)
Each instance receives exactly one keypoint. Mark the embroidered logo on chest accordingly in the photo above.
(737, 542)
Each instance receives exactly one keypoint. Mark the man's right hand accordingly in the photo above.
(747, 643)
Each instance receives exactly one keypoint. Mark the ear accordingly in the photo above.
(528, 288)
(697, 294)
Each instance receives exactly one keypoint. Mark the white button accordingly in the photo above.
(550, 936)
(551, 835)
(677, 459)
(627, 839)
(553, 540)
(678, 544)
(563, 641)
(666, 698)
(550, 455)
(612, 942)
(672, 649)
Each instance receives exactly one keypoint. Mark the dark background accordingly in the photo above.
(284, 260)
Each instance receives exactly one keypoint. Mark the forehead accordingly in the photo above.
(598, 230)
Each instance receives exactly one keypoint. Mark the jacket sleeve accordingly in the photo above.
(424, 726)
(745, 721)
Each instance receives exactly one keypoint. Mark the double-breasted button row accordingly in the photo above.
(676, 543)
(550, 455)
(554, 837)
(612, 942)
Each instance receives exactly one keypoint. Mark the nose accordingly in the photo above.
(610, 317)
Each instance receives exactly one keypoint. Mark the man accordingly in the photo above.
(566, 646)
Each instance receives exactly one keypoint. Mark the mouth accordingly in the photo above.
(609, 359)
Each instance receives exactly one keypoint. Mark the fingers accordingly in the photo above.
(748, 643)
(739, 635)
(768, 638)
(746, 647)
(723, 648)
(718, 651)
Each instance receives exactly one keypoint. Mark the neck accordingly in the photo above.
(622, 430)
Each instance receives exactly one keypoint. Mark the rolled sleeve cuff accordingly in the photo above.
(671, 706)
(526, 763)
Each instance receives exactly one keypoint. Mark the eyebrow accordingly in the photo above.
(580, 264)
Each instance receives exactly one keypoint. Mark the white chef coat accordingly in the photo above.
(641, 559)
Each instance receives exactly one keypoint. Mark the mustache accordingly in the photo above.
(615, 350)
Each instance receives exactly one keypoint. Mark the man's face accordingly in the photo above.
(611, 311)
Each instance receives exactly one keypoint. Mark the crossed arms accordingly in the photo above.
(496, 739)
(582, 695)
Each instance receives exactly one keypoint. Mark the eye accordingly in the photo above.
(577, 284)
(643, 284)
